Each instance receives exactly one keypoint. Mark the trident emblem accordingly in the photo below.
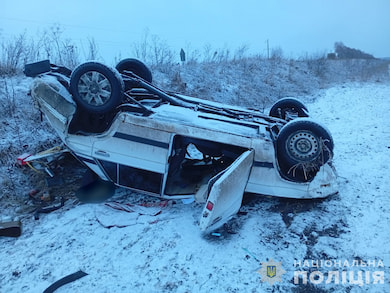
(271, 271)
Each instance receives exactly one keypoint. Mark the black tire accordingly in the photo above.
(286, 107)
(303, 146)
(135, 66)
(96, 87)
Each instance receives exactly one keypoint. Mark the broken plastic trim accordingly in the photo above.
(65, 280)
(49, 209)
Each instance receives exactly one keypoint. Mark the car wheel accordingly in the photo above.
(303, 146)
(288, 109)
(135, 66)
(96, 87)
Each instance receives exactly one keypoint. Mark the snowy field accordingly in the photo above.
(348, 232)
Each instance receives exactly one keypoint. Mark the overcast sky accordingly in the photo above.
(297, 26)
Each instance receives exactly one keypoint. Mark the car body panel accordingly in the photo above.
(55, 101)
(225, 193)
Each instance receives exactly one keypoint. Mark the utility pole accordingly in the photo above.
(268, 49)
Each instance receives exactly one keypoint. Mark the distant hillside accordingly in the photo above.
(217, 74)
(258, 82)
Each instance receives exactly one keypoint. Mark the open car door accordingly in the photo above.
(226, 190)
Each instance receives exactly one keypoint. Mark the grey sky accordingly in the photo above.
(297, 26)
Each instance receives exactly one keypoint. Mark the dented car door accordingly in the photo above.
(225, 192)
(133, 155)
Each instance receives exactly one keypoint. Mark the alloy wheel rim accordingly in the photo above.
(94, 88)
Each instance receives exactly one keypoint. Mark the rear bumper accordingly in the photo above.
(267, 181)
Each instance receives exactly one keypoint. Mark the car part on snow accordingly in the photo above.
(288, 109)
(10, 228)
(251, 254)
(52, 153)
(41, 161)
(22, 159)
(49, 209)
(115, 214)
(34, 69)
(37, 68)
(32, 193)
(135, 66)
(226, 190)
(303, 146)
(46, 196)
(65, 280)
(96, 87)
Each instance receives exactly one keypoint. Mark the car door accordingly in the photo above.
(134, 155)
(225, 192)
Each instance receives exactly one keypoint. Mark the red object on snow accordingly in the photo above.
(21, 160)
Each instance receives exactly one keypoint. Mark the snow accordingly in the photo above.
(168, 253)
(359, 121)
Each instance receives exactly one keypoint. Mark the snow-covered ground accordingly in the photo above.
(167, 253)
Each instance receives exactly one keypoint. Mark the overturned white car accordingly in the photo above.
(129, 132)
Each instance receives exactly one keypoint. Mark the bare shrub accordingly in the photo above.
(141, 48)
(208, 53)
(178, 83)
(318, 64)
(223, 55)
(59, 50)
(161, 52)
(12, 54)
(241, 53)
(219, 55)
(92, 51)
(277, 54)
(8, 101)
(193, 55)
(18, 51)
(154, 51)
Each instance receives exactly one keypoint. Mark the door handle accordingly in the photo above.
(102, 153)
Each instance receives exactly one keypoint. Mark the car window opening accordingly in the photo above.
(132, 177)
(193, 162)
